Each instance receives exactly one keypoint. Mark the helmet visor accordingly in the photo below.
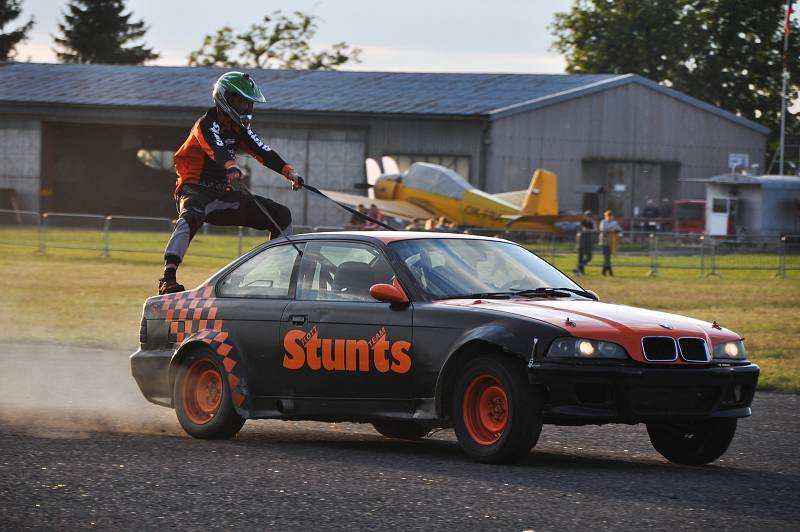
(240, 104)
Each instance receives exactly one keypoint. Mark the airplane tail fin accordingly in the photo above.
(542, 196)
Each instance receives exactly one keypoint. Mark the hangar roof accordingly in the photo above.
(788, 182)
(489, 96)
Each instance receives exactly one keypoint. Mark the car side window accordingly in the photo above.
(268, 274)
(341, 271)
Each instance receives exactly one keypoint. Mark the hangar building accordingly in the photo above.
(100, 138)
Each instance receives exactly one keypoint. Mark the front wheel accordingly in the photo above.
(695, 443)
(403, 430)
(202, 398)
(497, 414)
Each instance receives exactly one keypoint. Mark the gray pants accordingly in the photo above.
(197, 205)
(607, 259)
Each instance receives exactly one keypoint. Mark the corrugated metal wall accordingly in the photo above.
(329, 158)
(629, 123)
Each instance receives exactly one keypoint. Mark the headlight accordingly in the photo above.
(734, 350)
(584, 348)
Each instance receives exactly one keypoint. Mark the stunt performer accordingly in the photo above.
(207, 170)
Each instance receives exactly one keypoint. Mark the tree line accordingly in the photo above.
(725, 52)
(101, 31)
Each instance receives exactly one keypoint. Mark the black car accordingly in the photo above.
(410, 331)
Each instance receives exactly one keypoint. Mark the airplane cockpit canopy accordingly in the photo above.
(437, 179)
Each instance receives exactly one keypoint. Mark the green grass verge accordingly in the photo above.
(78, 297)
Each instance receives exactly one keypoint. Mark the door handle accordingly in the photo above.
(297, 319)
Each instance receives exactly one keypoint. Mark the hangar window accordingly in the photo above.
(156, 159)
(165, 160)
(459, 163)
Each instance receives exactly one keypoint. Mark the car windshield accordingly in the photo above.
(457, 267)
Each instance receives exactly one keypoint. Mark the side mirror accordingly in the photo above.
(388, 293)
(594, 294)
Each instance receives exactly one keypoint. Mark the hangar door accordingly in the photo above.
(95, 169)
(628, 185)
(99, 169)
(327, 158)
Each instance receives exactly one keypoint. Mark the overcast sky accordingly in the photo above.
(411, 35)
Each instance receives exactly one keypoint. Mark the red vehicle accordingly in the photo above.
(689, 216)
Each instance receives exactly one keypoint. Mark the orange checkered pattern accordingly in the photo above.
(192, 315)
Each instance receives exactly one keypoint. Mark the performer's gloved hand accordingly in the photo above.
(289, 173)
(233, 175)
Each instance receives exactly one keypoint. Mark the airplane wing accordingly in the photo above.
(542, 218)
(399, 209)
(516, 197)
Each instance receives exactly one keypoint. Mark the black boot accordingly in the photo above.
(610, 272)
(169, 286)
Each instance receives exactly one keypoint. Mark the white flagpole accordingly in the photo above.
(784, 79)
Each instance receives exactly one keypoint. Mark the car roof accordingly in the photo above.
(388, 237)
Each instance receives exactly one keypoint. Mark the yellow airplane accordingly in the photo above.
(429, 190)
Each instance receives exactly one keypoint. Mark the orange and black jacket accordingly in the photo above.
(211, 149)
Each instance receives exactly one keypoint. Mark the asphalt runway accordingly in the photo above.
(80, 449)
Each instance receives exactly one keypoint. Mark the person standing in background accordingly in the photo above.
(417, 224)
(610, 233)
(585, 236)
(376, 214)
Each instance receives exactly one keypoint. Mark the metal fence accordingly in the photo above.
(654, 252)
(112, 234)
(648, 251)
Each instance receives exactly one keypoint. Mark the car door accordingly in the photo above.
(251, 301)
(338, 341)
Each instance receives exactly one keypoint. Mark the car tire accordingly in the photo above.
(202, 399)
(696, 443)
(496, 412)
(402, 430)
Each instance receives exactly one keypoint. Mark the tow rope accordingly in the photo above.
(241, 186)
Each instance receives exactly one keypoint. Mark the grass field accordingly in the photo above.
(78, 297)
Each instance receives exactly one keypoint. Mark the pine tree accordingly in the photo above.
(96, 31)
(10, 10)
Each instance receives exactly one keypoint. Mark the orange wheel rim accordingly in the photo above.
(201, 391)
(485, 409)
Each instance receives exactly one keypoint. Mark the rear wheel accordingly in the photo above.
(403, 430)
(497, 414)
(696, 443)
(202, 398)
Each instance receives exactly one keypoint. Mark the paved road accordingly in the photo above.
(79, 448)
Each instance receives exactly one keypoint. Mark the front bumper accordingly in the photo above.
(580, 394)
(150, 368)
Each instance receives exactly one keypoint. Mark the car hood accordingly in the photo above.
(621, 324)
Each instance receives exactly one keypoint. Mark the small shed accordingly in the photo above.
(753, 204)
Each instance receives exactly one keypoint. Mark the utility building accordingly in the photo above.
(752, 205)
(100, 138)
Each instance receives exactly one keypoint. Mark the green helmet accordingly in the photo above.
(242, 84)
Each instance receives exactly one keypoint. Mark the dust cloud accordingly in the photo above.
(56, 391)
(60, 391)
